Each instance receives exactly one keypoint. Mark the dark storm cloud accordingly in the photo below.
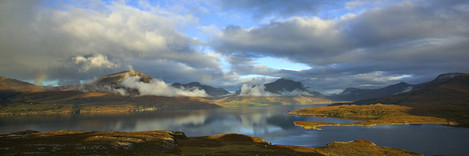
(377, 44)
(407, 38)
(70, 43)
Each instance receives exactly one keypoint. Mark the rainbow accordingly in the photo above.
(40, 79)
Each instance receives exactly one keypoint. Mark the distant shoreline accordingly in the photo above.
(368, 115)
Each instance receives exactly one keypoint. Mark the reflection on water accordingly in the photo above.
(273, 124)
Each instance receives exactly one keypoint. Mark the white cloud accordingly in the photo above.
(158, 88)
(254, 90)
(82, 40)
(94, 62)
(260, 90)
(380, 76)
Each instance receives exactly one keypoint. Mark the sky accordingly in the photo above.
(326, 45)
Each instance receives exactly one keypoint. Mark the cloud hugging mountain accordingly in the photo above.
(327, 45)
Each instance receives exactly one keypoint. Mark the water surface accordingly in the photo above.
(273, 124)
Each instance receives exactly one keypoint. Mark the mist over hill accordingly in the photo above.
(354, 94)
(280, 87)
(211, 91)
(134, 83)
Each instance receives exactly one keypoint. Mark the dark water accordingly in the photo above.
(273, 124)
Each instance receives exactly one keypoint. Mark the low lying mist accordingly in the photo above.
(133, 86)
(159, 88)
(260, 90)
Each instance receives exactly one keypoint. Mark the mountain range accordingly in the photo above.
(354, 94)
(447, 96)
(211, 91)
(114, 90)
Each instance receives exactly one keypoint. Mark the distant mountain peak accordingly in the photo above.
(439, 79)
(402, 83)
(352, 94)
(13, 84)
(212, 91)
(282, 85)
(118, 77)
(446, 77)
(195, 83)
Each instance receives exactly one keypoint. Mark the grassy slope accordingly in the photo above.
(440, 103)
(94, 102)
(169, 143)
(256, 101)
(369, 115)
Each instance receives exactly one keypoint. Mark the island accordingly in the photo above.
(441, 101)
(366, 115)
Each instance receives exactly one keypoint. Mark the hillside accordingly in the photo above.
(96, 102)
(15, 85)
(281, 87)
(353, 94)
(256, 101)
(161, 142)
(15, 99)
(115, 79)
(448, 99)
(211, 91)
(113, 83)
(445, 100)
(279, 92)
(284, 85)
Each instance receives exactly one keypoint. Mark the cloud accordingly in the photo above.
(404, 38)
(92, 62)
(133, 86)
(82, 40)
(264, 8)
(254, 90)
(340, 40)
(354, 4)
(158, 88)
(260, 90)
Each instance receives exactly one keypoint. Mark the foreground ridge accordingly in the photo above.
(65, 142)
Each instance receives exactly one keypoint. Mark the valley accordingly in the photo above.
(125, 97)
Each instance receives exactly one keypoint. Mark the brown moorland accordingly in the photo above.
(368, 115)
(259, 101)
(439, 102)
(169, 143)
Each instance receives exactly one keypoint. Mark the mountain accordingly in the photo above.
(112, 83)
(447, 96)
(284, 87)
(280, 92)
(453, 91)
(12, 87)
(17, 97)
(439, 79)
(15, 85)
(116, 78)
(353, 94)
(257, 101)
(211, 91)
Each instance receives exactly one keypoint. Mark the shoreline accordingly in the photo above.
(367, 115)
(161, 142)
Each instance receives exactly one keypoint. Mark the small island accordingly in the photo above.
(66, 142)
(441, 101)
(367, 115)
